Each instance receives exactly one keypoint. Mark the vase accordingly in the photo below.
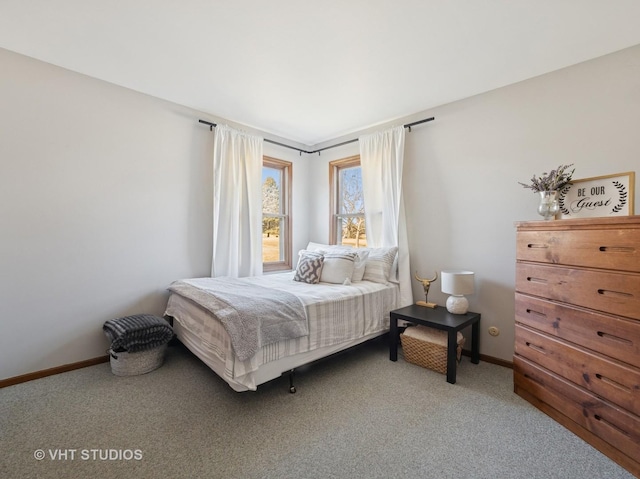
(548, 207)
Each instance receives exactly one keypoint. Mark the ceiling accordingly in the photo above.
(311, 71)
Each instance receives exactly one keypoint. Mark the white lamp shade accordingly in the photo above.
(457, 282)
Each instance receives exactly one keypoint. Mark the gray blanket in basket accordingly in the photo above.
(252, 315)
(139, 332)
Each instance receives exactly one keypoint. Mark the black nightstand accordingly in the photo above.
(438, 318)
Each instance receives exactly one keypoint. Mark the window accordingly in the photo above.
(347, 203)
(276, 205)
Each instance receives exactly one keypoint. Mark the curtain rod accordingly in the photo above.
(408, 125)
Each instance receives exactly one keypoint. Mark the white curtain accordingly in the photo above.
(381, 159)
(237, 204)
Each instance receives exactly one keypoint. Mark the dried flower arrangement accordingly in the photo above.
(555, 180)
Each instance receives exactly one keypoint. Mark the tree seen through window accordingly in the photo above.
(348, 225)
(276, 175)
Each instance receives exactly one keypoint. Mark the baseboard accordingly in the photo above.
(50, 372)
(490, 359)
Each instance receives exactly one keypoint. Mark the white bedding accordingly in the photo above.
(339, 316)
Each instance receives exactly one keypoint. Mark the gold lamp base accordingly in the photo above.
(425, 304)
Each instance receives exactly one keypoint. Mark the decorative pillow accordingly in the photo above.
(337, 267)
(378, 266)
(359, 265)
(309, 267)
(393, 274)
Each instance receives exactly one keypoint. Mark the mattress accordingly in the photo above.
(339, 316)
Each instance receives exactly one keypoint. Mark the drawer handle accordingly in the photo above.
(536, 280)
(536, 245)
(604, 335)
(535, 347)
(613, 383)
(617, 249)
(536, 313)
(615, 294)
(611, 425)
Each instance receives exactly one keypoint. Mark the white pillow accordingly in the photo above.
(327, 247)
(337, 267)
(359, 265)
(394, 277)
(317, 246)
(378, 265)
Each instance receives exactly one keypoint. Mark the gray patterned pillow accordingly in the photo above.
(309, 267)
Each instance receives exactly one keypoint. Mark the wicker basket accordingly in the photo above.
(132, 364)
(427, 347)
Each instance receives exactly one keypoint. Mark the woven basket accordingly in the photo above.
(132, 364)
(427, 347)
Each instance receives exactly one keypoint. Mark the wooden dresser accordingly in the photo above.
(577, 331)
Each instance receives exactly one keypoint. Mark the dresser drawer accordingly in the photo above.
(617, 427)
(610, 335)
(617, 249)
(616, 381)
(607, 291)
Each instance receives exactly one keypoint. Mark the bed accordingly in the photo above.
(342, 308)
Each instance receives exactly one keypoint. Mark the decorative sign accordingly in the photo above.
(610, 195)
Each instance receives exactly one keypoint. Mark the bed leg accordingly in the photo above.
(292, 388)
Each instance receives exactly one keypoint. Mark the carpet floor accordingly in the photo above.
(355, 415)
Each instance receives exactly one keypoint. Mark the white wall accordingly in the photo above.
(105, 199)
(462, 170)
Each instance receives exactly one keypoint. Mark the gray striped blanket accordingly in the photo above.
(252, 315)
(136, 333)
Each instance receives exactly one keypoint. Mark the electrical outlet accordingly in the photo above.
(493, 331)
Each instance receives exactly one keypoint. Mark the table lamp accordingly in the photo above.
(457, 283)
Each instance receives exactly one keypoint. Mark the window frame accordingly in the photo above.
(286, 168)
(334, 174)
